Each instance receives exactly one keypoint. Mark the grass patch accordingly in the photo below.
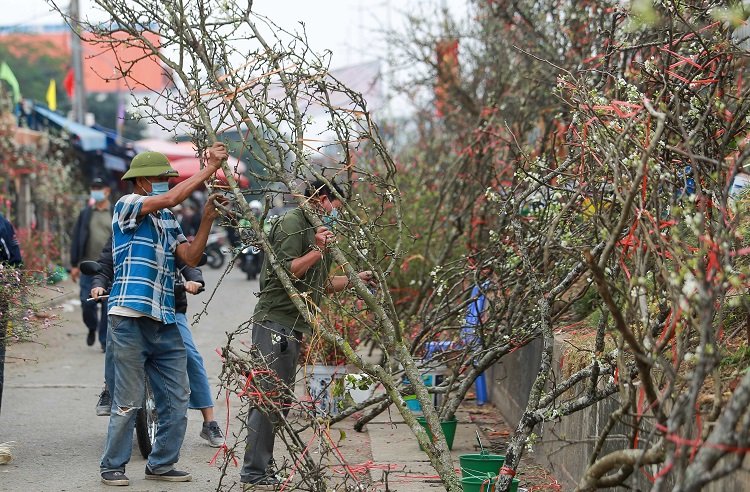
(738, 360)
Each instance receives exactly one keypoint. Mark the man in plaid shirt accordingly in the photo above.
(143, 337)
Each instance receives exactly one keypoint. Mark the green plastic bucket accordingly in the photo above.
(479, 484)
(473, 465)
(449, 429)
(486, 484)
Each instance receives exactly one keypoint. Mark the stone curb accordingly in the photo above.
(50, 296)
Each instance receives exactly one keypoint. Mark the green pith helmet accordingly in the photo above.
(150, 164)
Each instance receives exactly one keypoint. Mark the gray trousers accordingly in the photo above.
(280, 346)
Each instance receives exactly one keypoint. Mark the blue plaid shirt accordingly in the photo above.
(143, 253)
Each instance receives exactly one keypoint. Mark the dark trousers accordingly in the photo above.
(94, 313)
(280, 347)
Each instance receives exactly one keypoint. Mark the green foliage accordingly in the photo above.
(34, 65)
(587, 304)
(643, 14)
(739, 359)
(735, 14)
(734, 314)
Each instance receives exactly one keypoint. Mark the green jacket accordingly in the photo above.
(291, 236)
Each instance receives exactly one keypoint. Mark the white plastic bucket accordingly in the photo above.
(319, 381)
(741, 181)
(352, 383)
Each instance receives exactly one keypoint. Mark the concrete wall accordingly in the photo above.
(565, 447)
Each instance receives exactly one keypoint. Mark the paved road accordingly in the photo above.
(51, 391)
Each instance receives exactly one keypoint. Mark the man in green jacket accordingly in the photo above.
(278, 325)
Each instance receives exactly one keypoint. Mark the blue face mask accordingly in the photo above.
(330, 218)
(98, 195)
(159, 188)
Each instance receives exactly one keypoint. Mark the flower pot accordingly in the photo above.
(479, 465)
(449, 430)
(319, 381)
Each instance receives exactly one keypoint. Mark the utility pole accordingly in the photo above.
(79, 94)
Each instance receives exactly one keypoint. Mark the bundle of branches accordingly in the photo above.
(245, 375)
(230, 70)
(617, 193)
(618, 182)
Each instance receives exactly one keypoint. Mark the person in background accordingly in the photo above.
(10, 250)
(191, 219)
(254, 262)
(92, 230)
(10, 256)
(200, 389)
(143, 337)
(278, 326)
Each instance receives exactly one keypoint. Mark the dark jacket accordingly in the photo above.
(10, 251)
(81, 235)
(104, 278)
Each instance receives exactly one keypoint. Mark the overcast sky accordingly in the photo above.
(349, 28)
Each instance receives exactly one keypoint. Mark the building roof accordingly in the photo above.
(88, 138)
(100, 61)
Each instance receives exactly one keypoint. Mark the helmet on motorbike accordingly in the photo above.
(256, 207)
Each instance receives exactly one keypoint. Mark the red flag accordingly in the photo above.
(69, 82)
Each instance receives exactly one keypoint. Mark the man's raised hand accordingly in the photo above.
(216, 154)
(211, 210)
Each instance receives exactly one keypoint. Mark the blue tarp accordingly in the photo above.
(468, 337)
(89, 138)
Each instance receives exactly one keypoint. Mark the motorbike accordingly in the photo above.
(252, 261)
(215, 247)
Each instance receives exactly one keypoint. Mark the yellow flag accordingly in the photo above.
(52, 95)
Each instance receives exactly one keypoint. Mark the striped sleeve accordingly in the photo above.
(171, 223)
(126, 212)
